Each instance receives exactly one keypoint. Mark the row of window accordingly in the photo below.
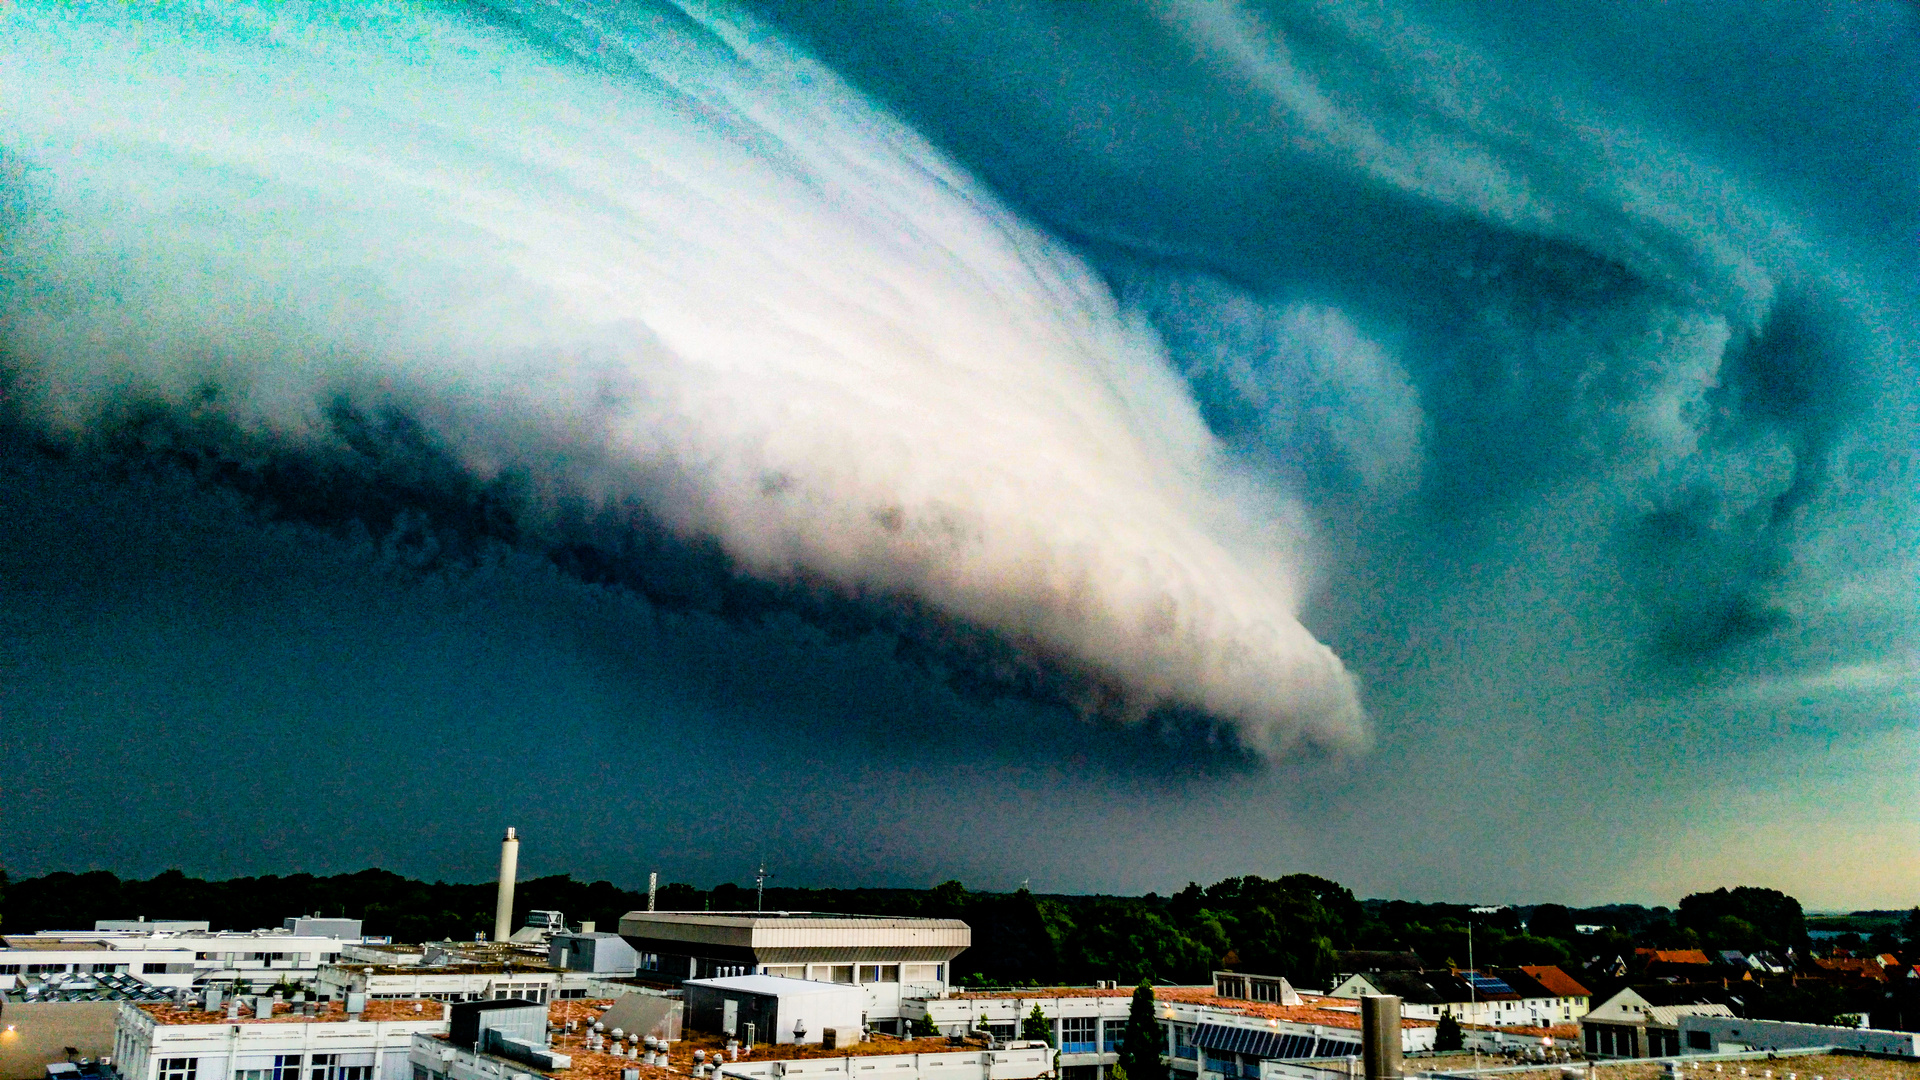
(284, 1067)
(860, 973)
(62, 969)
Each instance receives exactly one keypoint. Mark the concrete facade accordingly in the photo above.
(1731, 1034)
(148, 1046)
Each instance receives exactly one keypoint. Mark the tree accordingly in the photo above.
(1037, 1026)
(923, 1027)
(1910, 929)
(1773, 918)
(1447, 1034)
(1140, 1049)
(1551, 921)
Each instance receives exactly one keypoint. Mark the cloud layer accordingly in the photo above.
(637, 253)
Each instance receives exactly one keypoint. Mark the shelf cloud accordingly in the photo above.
(639, 255)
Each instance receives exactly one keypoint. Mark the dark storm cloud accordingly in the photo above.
(1567, 290)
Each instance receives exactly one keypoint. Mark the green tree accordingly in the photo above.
(1910, 929)
(1447, 1034)
(923, 1027)
(1551, 921)
(1140, 1049)
(1037, 1026)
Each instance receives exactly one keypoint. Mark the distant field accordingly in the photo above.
(1859, 922)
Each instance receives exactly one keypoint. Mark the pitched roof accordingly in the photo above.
(1354, 960)
(1556, 982)
(1674, 956)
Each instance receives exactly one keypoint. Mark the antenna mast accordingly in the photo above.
(760, 887)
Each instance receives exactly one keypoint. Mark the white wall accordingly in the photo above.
(1732, 1033)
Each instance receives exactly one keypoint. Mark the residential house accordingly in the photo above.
(1644, 1021)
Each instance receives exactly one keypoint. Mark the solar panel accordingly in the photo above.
(1487, 984)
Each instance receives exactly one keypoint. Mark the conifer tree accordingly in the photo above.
(1140, 1050)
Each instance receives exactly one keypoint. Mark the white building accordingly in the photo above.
(1644, 1022)
(1703, 1034)
(894, 960)
(285, 1042)
(568, 1054)
(1203, 1035)
(454, 982)
(1507, 997)
(173, 958)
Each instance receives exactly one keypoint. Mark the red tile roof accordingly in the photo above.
(1557, 982)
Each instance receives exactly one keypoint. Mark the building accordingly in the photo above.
(757, 1009)
(1644, 1021)
(894, 960)
(598, 952)
(1703, 1034)
(144, 925)
(1503, 997)
(448, 983)
(179, 958)
(592, 1054)
(255, 1038)
(1204, 1035)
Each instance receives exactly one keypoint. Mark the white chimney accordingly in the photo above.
(509, 866)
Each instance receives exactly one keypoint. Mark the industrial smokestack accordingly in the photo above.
(653, 887)
(1380, 1036)
(509, 866)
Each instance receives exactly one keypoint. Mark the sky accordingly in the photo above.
(1467, 456)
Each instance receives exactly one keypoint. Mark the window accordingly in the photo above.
(879, 973)
(1076, 1035)
(356, 1072)
(323, 1067)
(419, 1073)
(1183, 1041)
(1112, 1034)
(840, 973)
(179, 1068)
(9, 969)
(1699, 1040)
(285, 1067)
(649, 961)
(55, 969)
(1002, 1032)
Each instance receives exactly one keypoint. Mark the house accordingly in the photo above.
(258, 1038)
(1644, 1021)
(1854, 968)
(1355, 960)
(1504, 997)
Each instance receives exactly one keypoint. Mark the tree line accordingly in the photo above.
(1293, 925)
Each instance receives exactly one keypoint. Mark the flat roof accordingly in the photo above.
(1313, 1008)
(325, 1012)
(51, 944)
(775, 985)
